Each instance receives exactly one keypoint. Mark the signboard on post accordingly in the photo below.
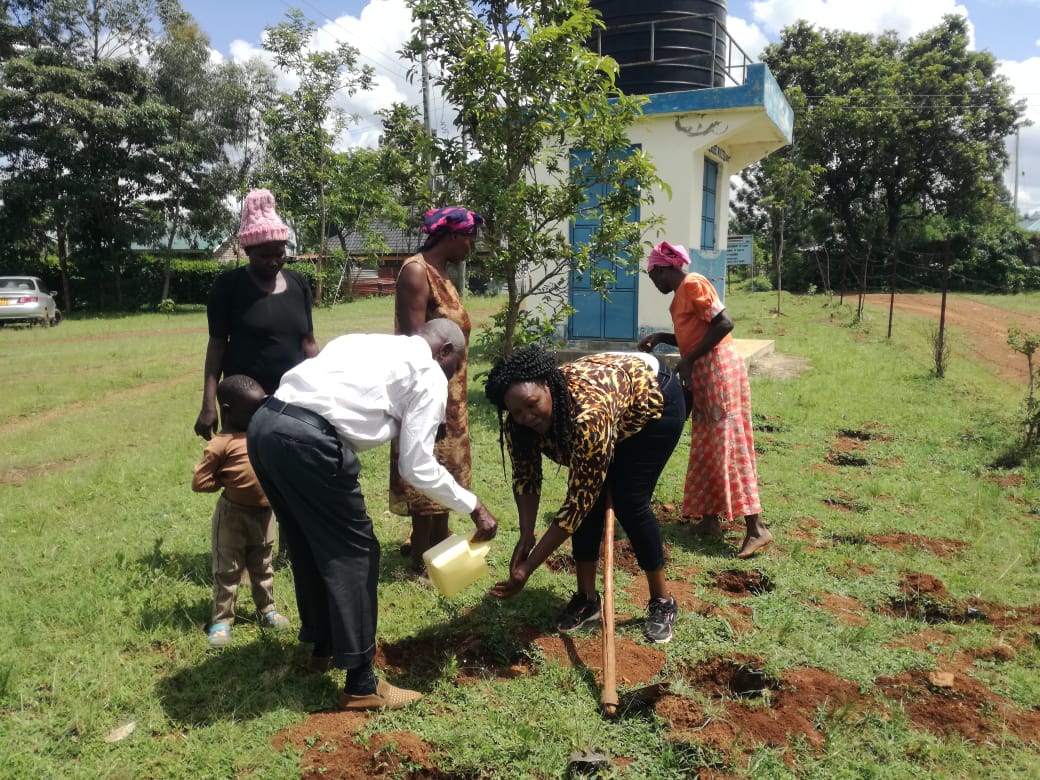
(740, 250)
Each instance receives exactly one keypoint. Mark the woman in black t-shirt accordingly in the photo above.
(259, 314)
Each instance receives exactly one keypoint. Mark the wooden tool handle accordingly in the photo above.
(608, 698)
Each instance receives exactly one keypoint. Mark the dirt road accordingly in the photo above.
(987, 326)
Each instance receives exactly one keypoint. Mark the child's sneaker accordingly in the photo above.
(578, 612)
(219, 635)
(275, 619)
(660, 617)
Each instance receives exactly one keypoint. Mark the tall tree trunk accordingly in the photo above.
(320, 286)
(512, 314)
(892, 284)
(63, 264)
(168, 262)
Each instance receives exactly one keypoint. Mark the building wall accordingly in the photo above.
(734, 126)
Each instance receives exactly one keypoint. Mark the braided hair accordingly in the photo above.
(530, 363)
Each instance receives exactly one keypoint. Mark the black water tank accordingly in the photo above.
(664, 45)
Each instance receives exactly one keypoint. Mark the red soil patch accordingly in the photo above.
(793, 703)
(916, 584)
(843, 443)
(965, 708)
(328, 741)
(424, 656)
(636, 664)
(1007, 480)
(847, 609)
(737, 583)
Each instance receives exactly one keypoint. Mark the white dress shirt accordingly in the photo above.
(373, 387)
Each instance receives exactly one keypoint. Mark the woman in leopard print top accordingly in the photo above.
(613, 420)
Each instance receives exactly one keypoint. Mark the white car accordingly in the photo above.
(26, 299)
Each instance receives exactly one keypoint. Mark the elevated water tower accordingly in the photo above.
(665, 45)
(709, 112)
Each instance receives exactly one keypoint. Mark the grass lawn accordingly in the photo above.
(892, 630)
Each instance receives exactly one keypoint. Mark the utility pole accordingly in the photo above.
(458, 279)
(426, 109)
(1016, 171)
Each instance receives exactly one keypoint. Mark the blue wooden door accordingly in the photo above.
(597, 316)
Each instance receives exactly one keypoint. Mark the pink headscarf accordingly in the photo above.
(668, 255)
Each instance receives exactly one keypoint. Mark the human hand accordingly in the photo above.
(487, 525)
(517, 579)
(648, 342)
(684, 368)
(521, 551)
(206, 424)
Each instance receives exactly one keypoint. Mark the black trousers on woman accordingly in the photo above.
(631, 479)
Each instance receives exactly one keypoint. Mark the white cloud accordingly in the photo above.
(1024, 76)
(748, 37)
(907, 19)
(874, 17)
(381, 30)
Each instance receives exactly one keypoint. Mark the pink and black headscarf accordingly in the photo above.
(438, 223)
(668, 255)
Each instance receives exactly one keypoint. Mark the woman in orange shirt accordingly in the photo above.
(721, 479)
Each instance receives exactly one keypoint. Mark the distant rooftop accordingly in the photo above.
(399, 240)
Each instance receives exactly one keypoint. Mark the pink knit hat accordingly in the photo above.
(260, 222)
(668, 255)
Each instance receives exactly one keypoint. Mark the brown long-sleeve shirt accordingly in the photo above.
(225, 464)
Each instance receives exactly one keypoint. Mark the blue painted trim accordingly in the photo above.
(759, 89)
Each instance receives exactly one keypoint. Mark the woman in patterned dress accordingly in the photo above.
(424, 292)
(721, 479)
(613, 420)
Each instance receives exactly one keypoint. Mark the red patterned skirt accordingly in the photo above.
(721, 478)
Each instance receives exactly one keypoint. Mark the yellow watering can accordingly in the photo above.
(455, 563)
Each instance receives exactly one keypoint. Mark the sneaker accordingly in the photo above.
(219, 634)
(275, 619)
(578, 612)
(660, 616)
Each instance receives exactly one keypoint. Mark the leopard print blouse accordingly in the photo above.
(615, 396)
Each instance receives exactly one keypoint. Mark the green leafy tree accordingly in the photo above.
(361, 201)
(782, 196)
(903, 130)
(209, 107)
(406, 154)
(302, 127)
(540, 119)
(79, 122)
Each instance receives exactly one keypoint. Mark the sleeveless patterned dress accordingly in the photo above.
(452, 449)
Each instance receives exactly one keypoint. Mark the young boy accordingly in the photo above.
(243, 523)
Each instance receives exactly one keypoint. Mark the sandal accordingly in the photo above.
(219, 635)
(275, 619)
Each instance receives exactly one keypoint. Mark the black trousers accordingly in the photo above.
(631, 479)
(311, 480)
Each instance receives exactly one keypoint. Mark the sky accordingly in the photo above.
(1009, 29)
